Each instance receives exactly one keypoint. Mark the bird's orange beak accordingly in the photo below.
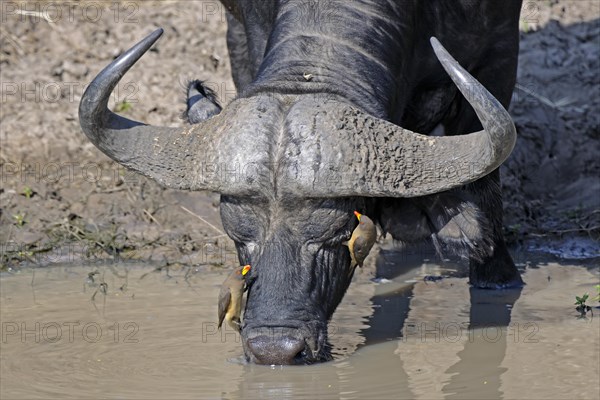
(245, 269)
(358, 215)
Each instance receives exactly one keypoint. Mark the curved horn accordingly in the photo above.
(197, 157)
(352, 153)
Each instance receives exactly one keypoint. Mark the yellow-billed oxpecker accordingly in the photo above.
(362, 240)
(230, 297)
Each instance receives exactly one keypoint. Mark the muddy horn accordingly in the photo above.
(175, 157)
(356, 154)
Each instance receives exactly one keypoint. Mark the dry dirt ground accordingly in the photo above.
(62, 200)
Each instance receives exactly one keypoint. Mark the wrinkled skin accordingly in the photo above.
(295, 248)
(376, 57)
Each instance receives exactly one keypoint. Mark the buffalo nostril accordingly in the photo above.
(280, 350)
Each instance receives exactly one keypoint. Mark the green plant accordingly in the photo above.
(598, 296)
(581, 306)
(25, 255)
(27, 192)
(19, 219)
(123, 106)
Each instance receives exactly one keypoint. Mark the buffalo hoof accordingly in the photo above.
(495, 272)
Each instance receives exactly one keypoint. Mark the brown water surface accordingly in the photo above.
(153, 336)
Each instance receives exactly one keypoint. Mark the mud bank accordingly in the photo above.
(62, 200)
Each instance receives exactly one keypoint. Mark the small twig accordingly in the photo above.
(152, 217)
(187, 280)
(113, 190)
(580, 229)
(565, 101)
(32, 285)
(561, 231)
(205, 221)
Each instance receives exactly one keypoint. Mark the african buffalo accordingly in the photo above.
(330, 96)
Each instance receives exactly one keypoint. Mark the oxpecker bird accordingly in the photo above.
(230, 297)
(362, 239)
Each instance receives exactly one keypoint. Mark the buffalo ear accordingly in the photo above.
(454, 223)
(404, 219)
(459, 226)
(201, 102)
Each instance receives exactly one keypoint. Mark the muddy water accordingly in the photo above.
(152, 335)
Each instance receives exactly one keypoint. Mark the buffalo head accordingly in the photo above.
(291, 169)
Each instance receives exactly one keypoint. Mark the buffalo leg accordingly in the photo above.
(237, 45)
(496, 269)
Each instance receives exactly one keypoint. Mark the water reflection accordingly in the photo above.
(351, 378)
(391, 300)
(377, 368)
(485, 332)
(489, 318)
